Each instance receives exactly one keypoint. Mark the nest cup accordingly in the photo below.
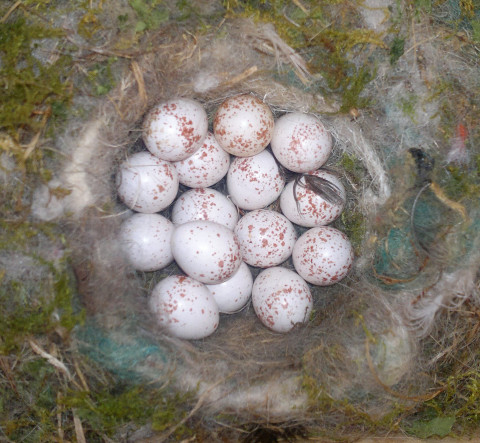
(359, 345)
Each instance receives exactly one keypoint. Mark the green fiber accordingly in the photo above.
(124, 353)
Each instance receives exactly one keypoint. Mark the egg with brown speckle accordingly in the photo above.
(175, 129)
(146, 183)
(243, 125)
(305, 206)
(145, 240)
(300, 142)
(266, 238)
(204, 204)
(205, 167)
(254, 182)
(323, 255)
(184, 307)
(233, 294)
(281, 299)
(206, 251)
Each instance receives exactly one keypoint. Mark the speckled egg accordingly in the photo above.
(281, 299)
(184, 307)
(303, 205)
(205, 167)
(323, 255)
(254, 182)
(204, 204)
(233, 294)
(145, 240)
(173, 130)
(300, 142)
(206, 251)
(146, 183)
(243, 125)
(266, 238)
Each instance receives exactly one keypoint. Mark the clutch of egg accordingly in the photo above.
(209, 241)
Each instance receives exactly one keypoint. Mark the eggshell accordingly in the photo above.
(243, 125)
(254, 182)
(204, 204)
(173, 130)
(147, 184)
(300, 142)
(205, 167)
(323, 255)
(266, 238)
(145, 240)
(310, 209)
(184, 307)
(233, 294)
(206, 251)
(281, 299)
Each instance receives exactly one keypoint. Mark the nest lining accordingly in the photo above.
(361, 344)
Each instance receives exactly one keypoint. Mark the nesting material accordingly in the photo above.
(363, 343)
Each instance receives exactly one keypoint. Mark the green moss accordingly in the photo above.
(29, 401)
(459, 183)
(397, 47)
(41, 301)
(408, 105)
(100, 76)
(353, 224)
(30, 88)
(151, 14)
(107, 409)
(328, 34)
(457, 407)
(40, 309)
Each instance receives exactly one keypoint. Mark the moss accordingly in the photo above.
(29, 401)
(30, 88)
(151, 14)
(328, 34)
(354, 225)
(459, 183)
(408, 105)
(41, 301)
(105, 410)
(397, 47)
(457, 407)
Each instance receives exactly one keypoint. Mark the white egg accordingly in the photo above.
(206, 251)
(305, 207)
(205, 167)
(146, 183)
(233, 294)
(281, 299)
(145, 240)
(184, 307)
(254, 182)
(266, 238)
(301, 142)
(204, 204)
(173, 130)
(243, 125)
(323, 255)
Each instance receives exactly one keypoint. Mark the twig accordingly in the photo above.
(240, 77)
(50, 358)
(301, 6)
(416, 45)
(78, 428)
(9, 12)
(140, 82)
(59, 417)
(5, 366)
